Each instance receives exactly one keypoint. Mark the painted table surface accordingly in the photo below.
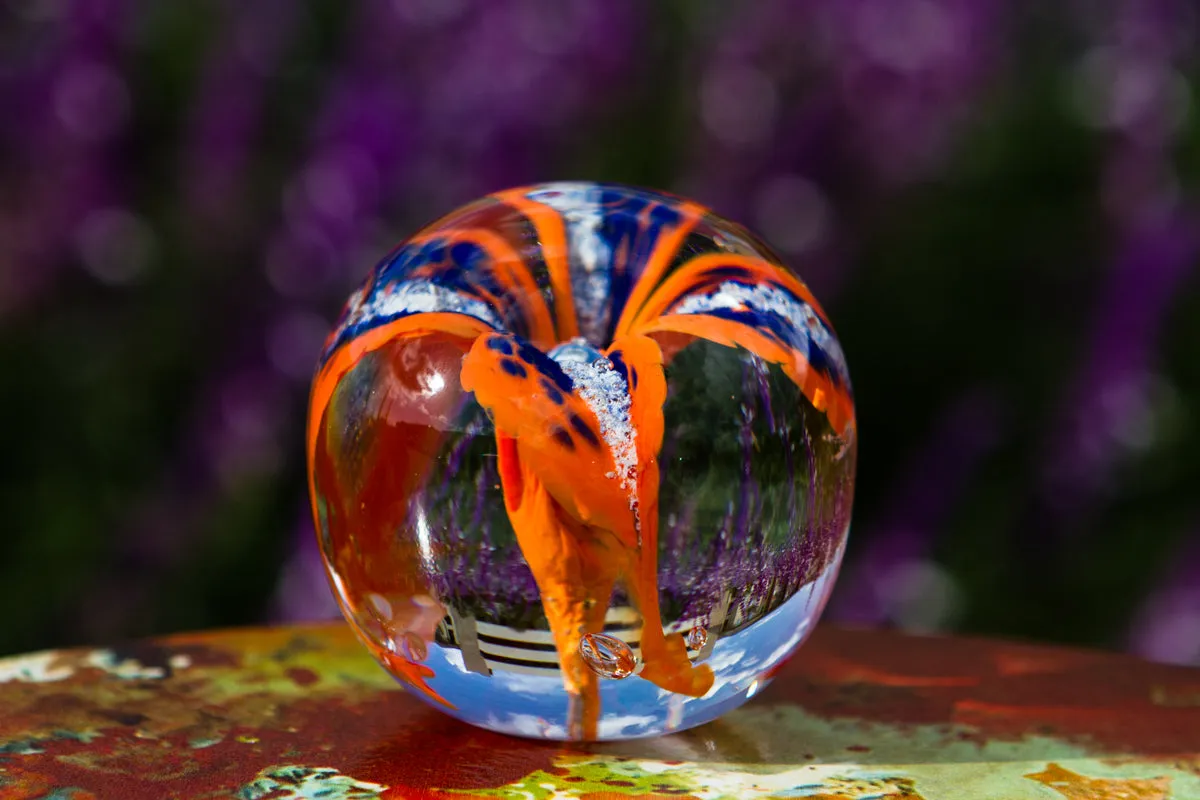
(304, 712)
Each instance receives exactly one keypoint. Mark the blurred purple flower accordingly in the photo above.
(61, 119)
(796, 96)
(303, 593)
(227, 116)
(1104, 417)
(1167, 628)
(1126, 84)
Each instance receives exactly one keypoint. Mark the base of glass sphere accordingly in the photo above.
(529, 701)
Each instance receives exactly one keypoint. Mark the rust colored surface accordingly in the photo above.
(304, 712)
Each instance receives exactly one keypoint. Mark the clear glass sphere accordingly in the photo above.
(582, 460)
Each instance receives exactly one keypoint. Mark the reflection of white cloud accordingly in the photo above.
(736, 668)
(525, 684)
(736, 680)
(526, 725)
(454, 657)
(627, 725)
(749, 669)
(733, 668)
(722, 661)
(787, 646)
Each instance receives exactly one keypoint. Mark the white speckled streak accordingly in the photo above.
(413, 297)
(768, 299)
(604, 390)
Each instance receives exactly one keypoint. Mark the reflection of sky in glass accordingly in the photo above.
(536, 706)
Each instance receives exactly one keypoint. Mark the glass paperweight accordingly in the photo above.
(581, 459)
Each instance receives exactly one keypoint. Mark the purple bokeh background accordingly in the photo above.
(995, 202)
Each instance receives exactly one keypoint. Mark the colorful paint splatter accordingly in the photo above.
(304, 712)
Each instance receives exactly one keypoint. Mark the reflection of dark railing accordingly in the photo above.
(752, 609)
(488, 648)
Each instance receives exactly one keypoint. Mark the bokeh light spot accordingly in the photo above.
(91, 101)
(738, 103)
(792, 213)
(115, 246)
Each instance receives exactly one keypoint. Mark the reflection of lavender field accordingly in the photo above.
(754, 500)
